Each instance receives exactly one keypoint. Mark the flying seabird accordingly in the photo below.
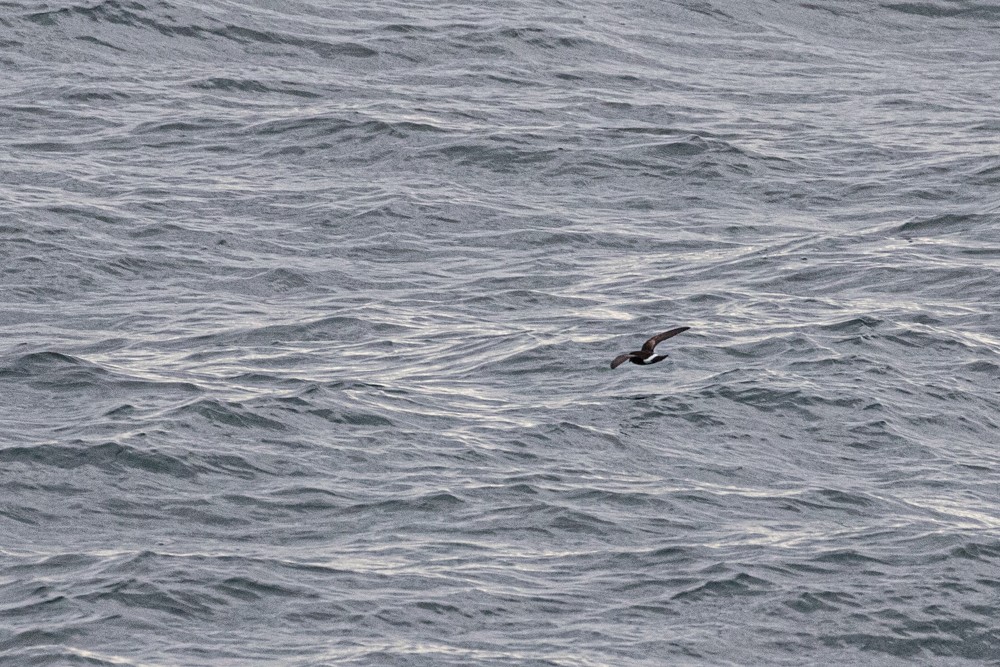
(645, 356)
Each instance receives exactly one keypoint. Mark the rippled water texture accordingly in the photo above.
(307, 309)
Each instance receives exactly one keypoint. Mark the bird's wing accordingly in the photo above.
(658, 338)
(621, 359)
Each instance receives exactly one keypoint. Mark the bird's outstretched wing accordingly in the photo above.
(621, 359)
(658, 338)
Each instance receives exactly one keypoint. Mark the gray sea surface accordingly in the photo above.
(307, 310)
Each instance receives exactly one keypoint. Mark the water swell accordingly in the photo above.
(309, 311)
(175, 23)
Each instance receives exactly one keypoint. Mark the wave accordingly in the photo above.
(108, 457)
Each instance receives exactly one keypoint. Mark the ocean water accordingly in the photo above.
(307, 309)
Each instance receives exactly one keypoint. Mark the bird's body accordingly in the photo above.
(646, 356)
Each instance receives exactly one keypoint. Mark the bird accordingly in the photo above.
(646, 356)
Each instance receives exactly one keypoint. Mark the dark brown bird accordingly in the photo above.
(646, 356)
